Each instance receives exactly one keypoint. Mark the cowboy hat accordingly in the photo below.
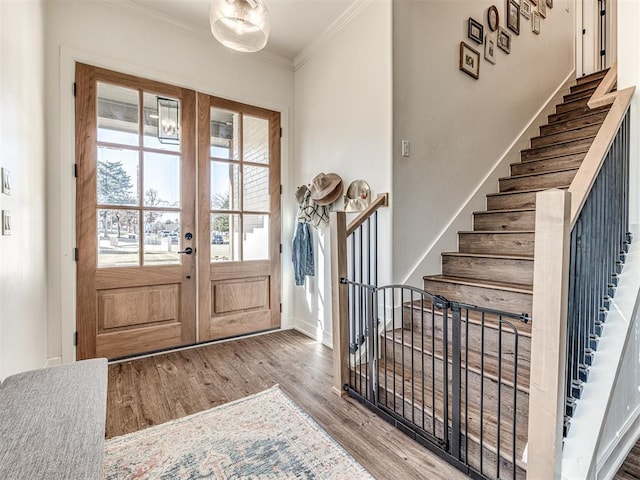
(326, 188)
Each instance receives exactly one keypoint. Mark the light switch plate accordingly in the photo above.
(406, 148)
(6, 181)
(6, 222)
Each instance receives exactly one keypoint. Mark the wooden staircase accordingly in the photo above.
(493, 268)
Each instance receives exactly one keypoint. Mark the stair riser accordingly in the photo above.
(567, 136)
(507, 301)
(543, 181)
(507, 243)
(511, 201)
(504, 221)
(575, 114)
(592, 77)
(569, 148)
(549, 164)
(470, 445)
(422, 328)
(588, 93)
(571, 106)
(491, 269)
(581, 87)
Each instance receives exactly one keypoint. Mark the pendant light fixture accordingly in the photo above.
(241, 25)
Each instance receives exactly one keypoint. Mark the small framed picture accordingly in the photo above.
(542, 8)
(525, 9)
(469, 60)
(6, 181)
(550, 3)
(534, 2)
(513, 16)
(504, 40)
(490, 48)
(475, 30)
(493, 18)
(535, 23)
(6, 222)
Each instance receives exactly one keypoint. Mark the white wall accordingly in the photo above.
(460, 127)
(343, 125)
(23, 291)
(121, 40)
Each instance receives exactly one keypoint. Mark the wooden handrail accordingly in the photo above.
(556, 214)
(381, 200)
(339, 232)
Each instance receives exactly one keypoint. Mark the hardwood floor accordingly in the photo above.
(153, 390)
(630, 469)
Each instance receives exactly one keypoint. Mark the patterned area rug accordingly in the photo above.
(264, 436)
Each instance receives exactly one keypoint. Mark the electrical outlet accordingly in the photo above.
(6, 222)
(6, 182)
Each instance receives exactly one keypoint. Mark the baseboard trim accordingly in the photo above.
(52, 362)
(311, 330)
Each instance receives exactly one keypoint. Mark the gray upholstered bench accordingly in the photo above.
(52, 422)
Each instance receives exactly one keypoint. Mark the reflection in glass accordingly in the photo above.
(161, 237)
(255, 139)
(225, 138)
(225, 237)
(255, 237)
(255, 181)
(225, 186)
(150, 117)
(118, 114)
(118, 232)
(161, 180)
(117, 177)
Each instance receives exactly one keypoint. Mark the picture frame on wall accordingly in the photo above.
(550, 3)
(493, 18)
(534, 2)
(525, 9)
(513, 16)
(535, 23)
(490, 45)
(469, 60)
(542, 8)
(475, 30)
(504, 40)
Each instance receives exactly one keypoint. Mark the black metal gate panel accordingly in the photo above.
(450, 375)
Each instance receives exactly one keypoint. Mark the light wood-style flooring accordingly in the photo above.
(153, 390)
(630, 469)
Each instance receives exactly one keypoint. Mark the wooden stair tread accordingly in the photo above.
(493, 285)
(534, 190)
(537, 174)
(494, 232)
(575, 114)
(587, 119)
(560, 144)
(548, 159)
(592, 76)
(509, 210)
(486, 255)
(576, 128)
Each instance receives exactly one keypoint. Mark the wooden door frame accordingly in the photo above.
(205, 102)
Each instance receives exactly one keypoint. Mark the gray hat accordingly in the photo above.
(301, 192)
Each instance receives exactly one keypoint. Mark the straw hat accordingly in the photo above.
(326, 188)
(358, 196)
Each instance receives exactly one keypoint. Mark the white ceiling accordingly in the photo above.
(294, 25)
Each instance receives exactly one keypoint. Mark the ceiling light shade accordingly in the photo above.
(242, 25)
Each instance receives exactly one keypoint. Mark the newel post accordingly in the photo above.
(549, 333)
(339, 300)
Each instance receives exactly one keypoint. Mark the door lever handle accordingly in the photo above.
(187, 250)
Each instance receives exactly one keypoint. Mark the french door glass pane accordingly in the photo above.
(118, 114)
(255, 182)
(225, 138)
(255, 238)
(255, 139)
(161, 237)
(152, 120)
(161, 180)
(225, 237)
(118, 232)
(117, 176)
(225, 186)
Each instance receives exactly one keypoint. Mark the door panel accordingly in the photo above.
(239, 217)
(135, 148)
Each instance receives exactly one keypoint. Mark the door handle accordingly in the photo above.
(187, 250)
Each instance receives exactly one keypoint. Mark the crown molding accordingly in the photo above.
(131, 7)
(325, 37)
